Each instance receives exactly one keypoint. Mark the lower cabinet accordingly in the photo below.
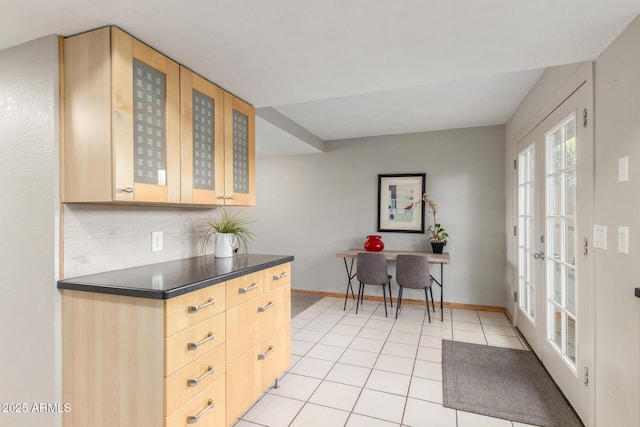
(198, 359)
(254, 371)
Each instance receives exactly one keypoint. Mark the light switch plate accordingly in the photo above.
(600, 236)
(623, 169)
(623, 239)
(156, 241)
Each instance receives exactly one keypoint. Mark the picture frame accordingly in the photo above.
(400, 206)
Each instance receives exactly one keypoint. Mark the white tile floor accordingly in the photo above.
(366, 370)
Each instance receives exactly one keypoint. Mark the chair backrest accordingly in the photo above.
(372, 268)
(412, 271)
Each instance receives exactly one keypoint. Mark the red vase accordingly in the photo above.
(373, 244)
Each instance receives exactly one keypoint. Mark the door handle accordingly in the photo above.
(538, 255)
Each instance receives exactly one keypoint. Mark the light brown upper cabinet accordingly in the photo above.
(139, 128)
(121, 125)
(239, 152)
(202, 142)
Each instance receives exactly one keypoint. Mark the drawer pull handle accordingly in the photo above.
(264, 355)
(194, 345)
(280, 276)
(194, 382)
(250, 288)
(127, 190)
(196, 308)
(263, 308)
(192, 419)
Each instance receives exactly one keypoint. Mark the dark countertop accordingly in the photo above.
(173, 278)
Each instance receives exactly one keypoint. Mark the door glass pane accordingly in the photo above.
(570, 188)
(570, 145)
(240, 152)
(554, 201)
(554, 143)
(571, 291)
(555, 325)
(203, 144)
(554, 231)
(570, 241)
(149, 116)
(555, 285)
(531, 302)
(524, 294)
(570, 343)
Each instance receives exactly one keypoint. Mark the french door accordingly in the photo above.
(555, 271)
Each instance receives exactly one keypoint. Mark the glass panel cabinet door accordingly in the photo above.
(202, 142)
(146, 122)
(239, 152)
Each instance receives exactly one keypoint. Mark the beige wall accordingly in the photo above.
(30, 302)
(617, 96)
(312, 206)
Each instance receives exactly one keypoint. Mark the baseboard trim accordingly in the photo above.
(411, 301)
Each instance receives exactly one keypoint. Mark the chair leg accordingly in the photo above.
(426, 300)
(358, 300)
(433, 304)
(399, 301)
(346, 296)
(384, 297)
(390, 297)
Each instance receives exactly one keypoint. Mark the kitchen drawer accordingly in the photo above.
(277, 276)
(213, 397)
(180, 386)
(253, 321)
(189, 309)
(184, 347)
(244, 288)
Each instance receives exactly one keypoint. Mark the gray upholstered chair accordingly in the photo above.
(412, 271)
(372, 270)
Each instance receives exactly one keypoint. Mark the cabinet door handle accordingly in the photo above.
(194, 382)
(280, 276)
(222, 197)
(264, 355)
(127, 190)
(263, 308)
(192, 419)
(195, 308)
(250, 288)
(231, 197)
(194, 345)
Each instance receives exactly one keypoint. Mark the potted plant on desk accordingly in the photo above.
(439, 235)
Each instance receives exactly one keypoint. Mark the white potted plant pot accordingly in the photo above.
(224, 245)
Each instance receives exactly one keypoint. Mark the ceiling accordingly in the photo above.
(351, 68)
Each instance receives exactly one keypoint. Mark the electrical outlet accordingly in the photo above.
(156, 241)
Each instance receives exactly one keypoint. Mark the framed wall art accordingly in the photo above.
(400, 207)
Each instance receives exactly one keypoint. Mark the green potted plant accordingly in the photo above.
(227, 230)
(439, 235)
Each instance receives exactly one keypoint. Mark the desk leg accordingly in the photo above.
(350, 276)
(441, 291)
